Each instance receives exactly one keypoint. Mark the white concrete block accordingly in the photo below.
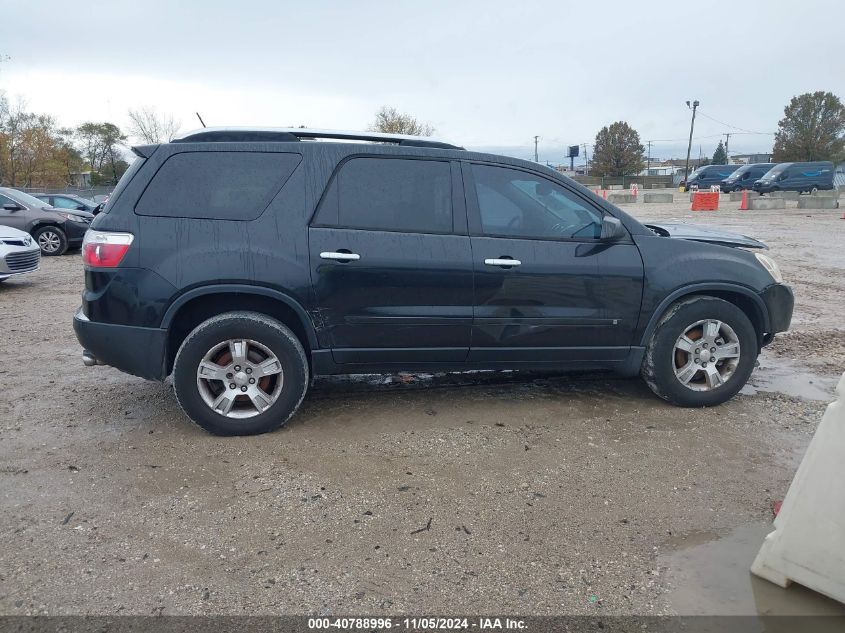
(808, 544)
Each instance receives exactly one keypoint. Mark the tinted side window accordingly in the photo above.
(515, 203)
(216, 185)
(391, 194)
(5, 200)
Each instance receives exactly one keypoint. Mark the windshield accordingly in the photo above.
(736, 174)
(28, 200)
(777, 169)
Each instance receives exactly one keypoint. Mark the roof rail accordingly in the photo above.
(286, 135)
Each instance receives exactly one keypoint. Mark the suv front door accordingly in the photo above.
(391, 265)
(546, 287)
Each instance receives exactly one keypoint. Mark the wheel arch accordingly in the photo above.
(744, 298)
(199, 304)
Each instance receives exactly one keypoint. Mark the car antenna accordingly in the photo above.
(200, 118)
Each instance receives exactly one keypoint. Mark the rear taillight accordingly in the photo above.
(103, 249)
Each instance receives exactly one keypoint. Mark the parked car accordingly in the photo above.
(70, 201)
(19, 253)
(55, 230)
(801, 177)
(745, 176)
(709, 176)
(243, 262)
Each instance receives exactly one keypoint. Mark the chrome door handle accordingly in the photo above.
(502, 262)
(340, 256)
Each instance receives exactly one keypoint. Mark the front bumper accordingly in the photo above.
(139, 351)
(75, 232)
(780, 302)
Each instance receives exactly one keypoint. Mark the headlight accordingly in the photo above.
(770, 265)
(72, 217)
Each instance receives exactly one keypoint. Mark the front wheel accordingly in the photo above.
(701, 353)
(240, 373)
(52, 240)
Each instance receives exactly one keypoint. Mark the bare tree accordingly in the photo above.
(391, 121)
(151, 127)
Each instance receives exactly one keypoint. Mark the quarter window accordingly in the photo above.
(390, 194)
(216, 185)
(515, 203)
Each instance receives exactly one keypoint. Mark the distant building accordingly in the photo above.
(81, 179)
(748, 159)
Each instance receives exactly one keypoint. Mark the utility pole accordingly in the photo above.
(689, 146)
(648, 161)
(727, 140)
(536, 159)
(586, 160)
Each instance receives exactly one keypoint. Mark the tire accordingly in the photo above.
(52, 240)
(262, 337)
(813, 190)
(662, 358)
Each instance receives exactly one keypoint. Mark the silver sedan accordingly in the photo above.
(19, 253)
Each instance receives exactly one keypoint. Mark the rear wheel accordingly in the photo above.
(813, 190)
(240, 373)
(701, 353)
(51, 239)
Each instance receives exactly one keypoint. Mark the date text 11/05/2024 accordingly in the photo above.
(418, 624)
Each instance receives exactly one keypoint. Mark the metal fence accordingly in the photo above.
(89, 192)
(623, 182)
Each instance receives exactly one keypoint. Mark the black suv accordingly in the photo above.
(246, 261)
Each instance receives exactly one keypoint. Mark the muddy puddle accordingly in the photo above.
(780, 376)
(708, 573)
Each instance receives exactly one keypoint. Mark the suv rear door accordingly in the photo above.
(404, 293)
(567, 296)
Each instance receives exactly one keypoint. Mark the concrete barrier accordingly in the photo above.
(808, 543)
(616, 187)
(830, 193)
(621, 198)
(761, 204)
(658, 197)
(736, 196)
(818, 202)
(786, 195)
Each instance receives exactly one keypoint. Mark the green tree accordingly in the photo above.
(391, 121)
(100, 145)
(617, 151)
(812, 128)
(720, 156)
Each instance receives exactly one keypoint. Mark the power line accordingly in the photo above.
(707, 116)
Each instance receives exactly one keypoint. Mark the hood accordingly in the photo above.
(78, 212)
(7, 232)
(705, 234)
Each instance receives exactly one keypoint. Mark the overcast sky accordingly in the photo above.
(485, 74)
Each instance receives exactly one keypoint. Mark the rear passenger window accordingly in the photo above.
(216, 185)
(390, 194)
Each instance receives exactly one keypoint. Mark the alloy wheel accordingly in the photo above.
(706, 355)
(49, 241)
(240, 378)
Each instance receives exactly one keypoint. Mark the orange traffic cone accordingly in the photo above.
(743, 206)
(604, 193)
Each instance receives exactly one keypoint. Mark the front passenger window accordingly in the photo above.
(514, 203)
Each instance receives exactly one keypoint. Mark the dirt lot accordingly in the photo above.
(481, 493)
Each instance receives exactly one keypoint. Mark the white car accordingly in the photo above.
(19, 253)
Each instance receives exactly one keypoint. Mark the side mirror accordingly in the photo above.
(11, 206)
(612, 229)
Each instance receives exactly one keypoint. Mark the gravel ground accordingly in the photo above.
(475, 493)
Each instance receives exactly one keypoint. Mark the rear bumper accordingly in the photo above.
(780, 302)
(139, 351)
